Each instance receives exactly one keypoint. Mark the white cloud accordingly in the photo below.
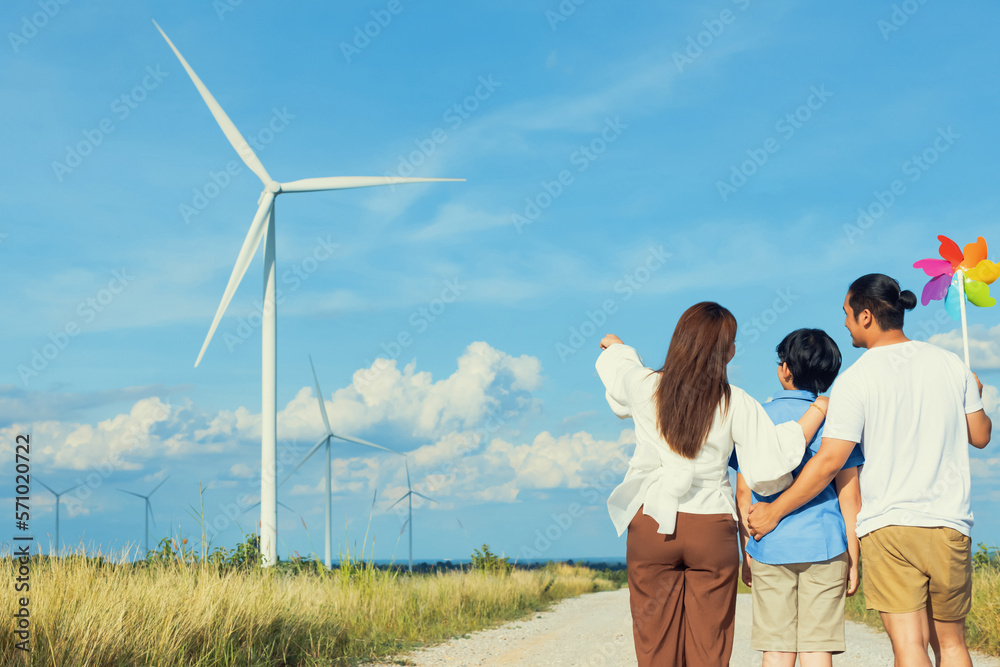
(984, 345)
(473, 455)
(459, 469)
(986, 468)
(488, 386)
(458, 218)
(487, 383)
(991, 401)
(121, 441)
(242, 471)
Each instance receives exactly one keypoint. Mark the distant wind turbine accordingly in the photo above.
(325, 441)
(57, 507)
(149, 510)
(263, 225)
(409, 522)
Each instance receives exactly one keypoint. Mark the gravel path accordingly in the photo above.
(596, 630)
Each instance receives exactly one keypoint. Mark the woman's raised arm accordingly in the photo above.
(768, 453)
(614, 365)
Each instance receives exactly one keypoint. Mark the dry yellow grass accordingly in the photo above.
(982, 625)
(85, 613)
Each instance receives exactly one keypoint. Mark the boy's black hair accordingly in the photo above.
(882, 296)
(812, 357)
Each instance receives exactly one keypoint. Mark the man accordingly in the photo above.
(913, 407)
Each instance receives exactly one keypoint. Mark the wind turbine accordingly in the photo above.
(149, 510)
(325, 441)
(409, 522)
(57, 506)
(263, 225)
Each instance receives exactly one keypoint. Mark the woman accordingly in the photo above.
(675, 500)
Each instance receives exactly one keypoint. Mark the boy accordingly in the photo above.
(800, 572)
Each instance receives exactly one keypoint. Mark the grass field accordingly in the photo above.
(92, 612)
(982, 625)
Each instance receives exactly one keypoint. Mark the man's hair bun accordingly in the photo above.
(907, 299)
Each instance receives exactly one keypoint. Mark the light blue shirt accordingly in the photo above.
(814, 532)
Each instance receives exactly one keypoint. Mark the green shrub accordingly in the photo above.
(487, 561)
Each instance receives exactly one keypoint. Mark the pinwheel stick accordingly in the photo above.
(961, 301)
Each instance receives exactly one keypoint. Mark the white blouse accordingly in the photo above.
(662, 481)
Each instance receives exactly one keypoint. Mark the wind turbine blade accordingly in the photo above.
(250, 245)
(47, 487)
(365, 442)
(305, 458)
(149, 508)
(64, 492)
(159, 485)
(132, 494)
(287, 507)
(408, 485)
(347, 182)
(404, 527)
(400, 500)
(228, 127)
(319, 397)
(417, 493)
(256, 504)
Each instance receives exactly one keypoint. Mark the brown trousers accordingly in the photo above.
(682, 590)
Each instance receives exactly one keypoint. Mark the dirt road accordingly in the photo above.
(596, 630)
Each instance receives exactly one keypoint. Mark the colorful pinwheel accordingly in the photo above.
(958, 276)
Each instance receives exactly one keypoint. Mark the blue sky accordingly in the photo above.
(621, 166)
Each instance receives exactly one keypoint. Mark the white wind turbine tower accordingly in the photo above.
(57, 507)
(409, 522)
(149, 511)
(263, 224)
(325, 441)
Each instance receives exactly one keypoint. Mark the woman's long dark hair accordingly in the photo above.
(693, 379)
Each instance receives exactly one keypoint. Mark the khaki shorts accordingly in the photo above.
(799, 607)
(906, 568)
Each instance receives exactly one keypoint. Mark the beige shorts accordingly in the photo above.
(906, 568)
(799, 607)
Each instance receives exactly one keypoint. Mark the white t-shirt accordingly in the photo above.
(906, 404)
